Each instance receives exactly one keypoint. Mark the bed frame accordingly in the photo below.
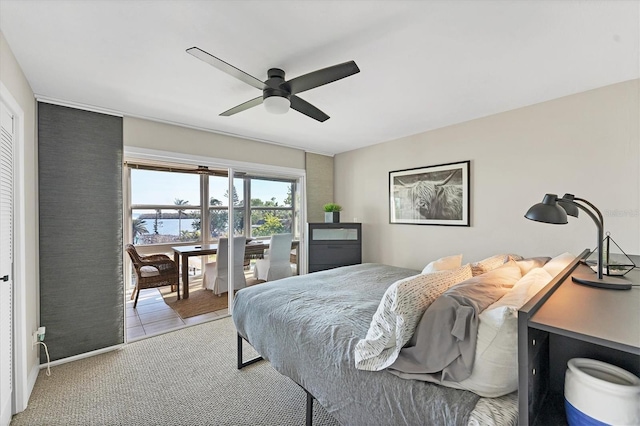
(242, 364)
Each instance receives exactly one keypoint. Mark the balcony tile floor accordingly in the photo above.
(152, 316)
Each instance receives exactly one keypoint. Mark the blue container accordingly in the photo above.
(576, 417)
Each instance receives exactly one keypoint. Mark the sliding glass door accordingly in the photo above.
(183, 206)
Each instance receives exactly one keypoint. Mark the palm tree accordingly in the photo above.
(139, 227)
(156, 223)
(179, 202)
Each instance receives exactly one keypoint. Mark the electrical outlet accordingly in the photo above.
(38, 336)
(41, 332)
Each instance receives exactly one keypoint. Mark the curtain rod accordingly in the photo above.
(200, 170)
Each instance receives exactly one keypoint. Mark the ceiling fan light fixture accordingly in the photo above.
(276, 104)
(278, 94)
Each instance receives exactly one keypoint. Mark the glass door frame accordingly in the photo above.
(232, 167)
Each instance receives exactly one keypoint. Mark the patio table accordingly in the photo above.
(254, 249)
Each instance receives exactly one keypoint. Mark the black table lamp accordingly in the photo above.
(555, 210)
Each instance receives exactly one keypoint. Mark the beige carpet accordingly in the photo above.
(186, 377)
(200, 301)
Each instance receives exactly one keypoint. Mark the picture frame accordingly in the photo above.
(431, 195)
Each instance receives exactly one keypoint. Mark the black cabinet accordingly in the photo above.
(334, 244)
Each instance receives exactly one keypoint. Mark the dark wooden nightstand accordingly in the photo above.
(567, 320)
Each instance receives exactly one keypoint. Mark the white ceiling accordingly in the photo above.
(424, 64)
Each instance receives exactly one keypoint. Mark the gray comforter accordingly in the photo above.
(307, 327)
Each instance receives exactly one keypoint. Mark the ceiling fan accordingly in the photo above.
(279, 94)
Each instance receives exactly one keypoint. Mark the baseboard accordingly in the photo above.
(82, 356)
(33, 376)
(21, 403)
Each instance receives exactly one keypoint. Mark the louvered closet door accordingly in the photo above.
(6, 261)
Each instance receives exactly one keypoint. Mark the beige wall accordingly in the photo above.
(148, 134)
(586, 144)
(14, 80)
(319, 185)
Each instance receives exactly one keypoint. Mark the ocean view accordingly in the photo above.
(169, 226)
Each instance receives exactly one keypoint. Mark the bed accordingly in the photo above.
(307, 327)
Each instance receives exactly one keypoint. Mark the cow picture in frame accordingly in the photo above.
(432, 195)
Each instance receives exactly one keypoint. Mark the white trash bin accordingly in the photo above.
(597, 393)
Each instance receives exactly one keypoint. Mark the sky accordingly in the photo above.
(152, 187)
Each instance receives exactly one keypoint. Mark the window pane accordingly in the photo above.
(219, 191)
(265, 223)
(163, 188)
(271, 203)
(270, 193)
(165, 226)
(219, 226)
(238, 218)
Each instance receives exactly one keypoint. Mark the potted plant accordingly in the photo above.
(332, 213)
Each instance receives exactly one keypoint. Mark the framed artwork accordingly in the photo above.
(432, 195)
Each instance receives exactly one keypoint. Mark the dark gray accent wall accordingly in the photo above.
(80, 236)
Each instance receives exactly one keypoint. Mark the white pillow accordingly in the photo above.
(524, 289)
(558, 263)
(398, 313)
(491, 263)
(495, 370)
(443, 264)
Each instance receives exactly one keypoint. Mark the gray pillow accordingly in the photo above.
(444, 342)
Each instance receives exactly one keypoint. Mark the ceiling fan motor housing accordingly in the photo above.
(274, 85)
(275, 95)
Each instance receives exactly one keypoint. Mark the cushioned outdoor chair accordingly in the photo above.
(155, 270)
(277, 263)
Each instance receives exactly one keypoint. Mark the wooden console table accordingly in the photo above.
(567, 320)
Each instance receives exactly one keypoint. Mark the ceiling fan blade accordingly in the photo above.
(244, 106)
(307, 109)
(225, 67)
(321, 77)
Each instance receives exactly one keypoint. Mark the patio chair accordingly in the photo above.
(216, 274)
(155, 270)
(276, 264)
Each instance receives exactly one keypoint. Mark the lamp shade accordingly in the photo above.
(276, 104)
(548, 211)
(566, 202)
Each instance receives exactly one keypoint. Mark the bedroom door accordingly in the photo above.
(6, 263)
